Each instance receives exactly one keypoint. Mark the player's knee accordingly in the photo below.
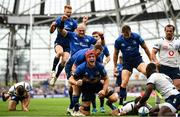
(59, 54)
(113, 97)
(63, 63)
(85, 109)
(12, 105)
(124, 83)
(163, 111)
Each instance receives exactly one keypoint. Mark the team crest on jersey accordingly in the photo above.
(86, 40)
(171, 53)
(122, 44)
(97, 73)
(71, 23)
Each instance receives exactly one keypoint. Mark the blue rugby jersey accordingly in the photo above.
(105, 52)
(95, 73)
(70, 25)
(129, 47)
(77, 43)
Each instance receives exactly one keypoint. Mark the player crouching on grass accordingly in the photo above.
(164, 85)
(18, 92)
(87, 76)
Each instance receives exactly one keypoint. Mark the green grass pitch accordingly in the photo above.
(53, 107)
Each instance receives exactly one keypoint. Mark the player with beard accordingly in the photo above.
(87, 76)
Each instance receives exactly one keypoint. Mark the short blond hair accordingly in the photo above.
(67, 7)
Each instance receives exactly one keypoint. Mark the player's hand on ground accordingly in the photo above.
(101, 93)
(25, 109)
(115, 112)
(5, 95)
(137, 106)
(79, 82)
(64, 17)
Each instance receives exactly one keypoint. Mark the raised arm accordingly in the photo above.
(85, 19)
(61, 27)
(53, 27)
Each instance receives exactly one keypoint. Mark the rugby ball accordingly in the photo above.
(143, 111)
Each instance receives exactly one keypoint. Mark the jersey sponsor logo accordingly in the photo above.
(75, 38)
(134, 42)
(83, 44)
(171, 53)
(128, 48)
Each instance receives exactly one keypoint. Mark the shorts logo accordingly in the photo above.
(174, 101)
(13, 97)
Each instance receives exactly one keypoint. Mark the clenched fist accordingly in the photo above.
(79, 82)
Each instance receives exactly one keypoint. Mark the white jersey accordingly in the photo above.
(26, 85)
(127, 108)
(168, 52)
(163, 84)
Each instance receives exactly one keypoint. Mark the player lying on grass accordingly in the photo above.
(87, 76)
(164, 85)
(128, 108)
(18, 92)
